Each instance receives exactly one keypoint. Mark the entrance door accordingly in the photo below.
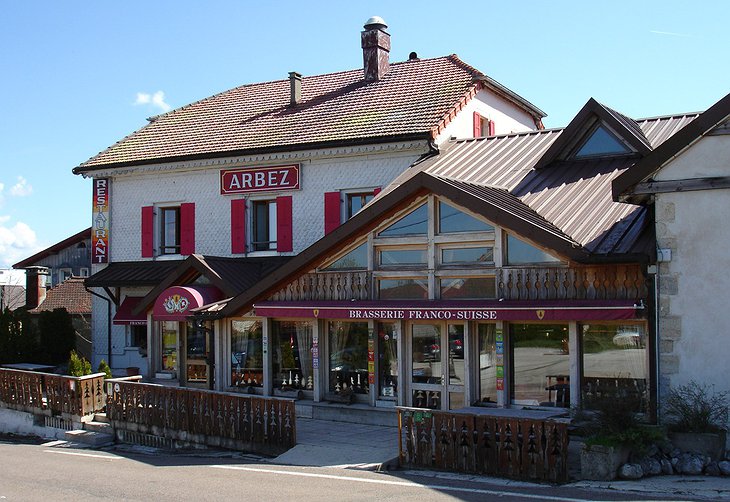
(438, 372)
(198, 355)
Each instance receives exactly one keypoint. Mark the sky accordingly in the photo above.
(75, 77)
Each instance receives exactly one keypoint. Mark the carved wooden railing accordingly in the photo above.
(50, 394)
(534, 450)
(632, 393)
(605, 282)
(328, 286)
(248, 423)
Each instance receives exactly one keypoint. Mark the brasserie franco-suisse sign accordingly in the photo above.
(259, 179)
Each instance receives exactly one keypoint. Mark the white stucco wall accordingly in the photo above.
(507, 117)
(694, 285)
(320, 173)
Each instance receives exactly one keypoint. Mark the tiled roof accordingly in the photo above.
(413, 99)
(70, 294)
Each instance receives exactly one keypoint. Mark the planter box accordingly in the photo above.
(708, 444)
(601, 463)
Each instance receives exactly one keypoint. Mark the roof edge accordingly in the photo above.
(78, 237)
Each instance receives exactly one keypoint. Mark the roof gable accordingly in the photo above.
(644, 169)
(68, 242)
(590, 118)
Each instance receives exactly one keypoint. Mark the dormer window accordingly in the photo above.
(601, 142)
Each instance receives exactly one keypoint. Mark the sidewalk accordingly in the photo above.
(325, 443)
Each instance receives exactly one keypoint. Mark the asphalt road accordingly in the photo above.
(38, 472)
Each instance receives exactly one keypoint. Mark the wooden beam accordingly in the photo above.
(685, 185)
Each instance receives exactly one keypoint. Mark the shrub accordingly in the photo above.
(104, 368)
(78, 366)
(696, 407)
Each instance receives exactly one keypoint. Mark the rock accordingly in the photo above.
(724, 467)
(667, 467)
(712, 469)
(652, 451)
(675, 453)
(690, 464)
(666, 447)
(630, 471)
(654, 467)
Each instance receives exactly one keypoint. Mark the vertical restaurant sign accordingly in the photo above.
(259, 179)
(100, 226)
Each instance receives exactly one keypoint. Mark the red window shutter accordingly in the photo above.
(238, 226)
(187, 228)
(331, 211)
(477, 125)
(377, 191)
(284, 237)
(491, 127)
(148, 223)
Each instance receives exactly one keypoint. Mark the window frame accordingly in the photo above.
(163, 246)
(254, 245)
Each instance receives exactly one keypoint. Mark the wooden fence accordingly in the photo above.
(525, 449)
(248, 423)
(49, 394)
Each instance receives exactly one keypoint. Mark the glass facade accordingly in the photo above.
(247, 362)
(291, 346)
(615, 365)
(486, 333)
(403, 289)
(388, 360)
(541, 364)
(348, 357)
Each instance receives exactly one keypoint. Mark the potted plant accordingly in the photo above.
(697, 419)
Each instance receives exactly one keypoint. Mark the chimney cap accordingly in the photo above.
(375, 22)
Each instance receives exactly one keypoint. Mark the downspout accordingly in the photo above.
(108, 325)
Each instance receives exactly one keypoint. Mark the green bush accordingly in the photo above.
(696, 408)
(78, 366)
(104, 368)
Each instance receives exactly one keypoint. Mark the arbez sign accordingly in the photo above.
(260, 179)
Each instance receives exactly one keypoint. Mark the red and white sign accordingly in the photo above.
(259, 179)
(100, 227)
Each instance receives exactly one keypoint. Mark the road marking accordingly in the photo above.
(82, 454)
(409, 484)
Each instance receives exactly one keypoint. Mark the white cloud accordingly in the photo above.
(157, 100)
(16, 242)
(21, 188)
(671, 33)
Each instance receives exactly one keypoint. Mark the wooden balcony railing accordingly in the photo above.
(46, 393)
(604, 282)
(530, 450)
(234, 421)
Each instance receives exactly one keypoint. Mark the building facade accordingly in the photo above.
(205, 200)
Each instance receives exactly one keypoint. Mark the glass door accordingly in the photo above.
(438, 372)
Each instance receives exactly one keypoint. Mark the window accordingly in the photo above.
(84, 272)
(348, 361)
(414, 223)
(138, 337)
(170, 230)
(403, 289)
(355, 259)
(451, 220)
(264, 225)
(519, 252)
(355, 202)
(614, 365)
(247, 362)
(486, 334)
(292, 365)
(468, 288)
(601, 142)
(390, 258)
(467, 255)
(482, 126)
(64, 273)
(544, 384)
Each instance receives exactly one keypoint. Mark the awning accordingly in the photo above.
(124, 312)
(176, 302)
(465, 310)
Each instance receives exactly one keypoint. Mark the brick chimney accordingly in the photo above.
(35, 286)
(295, 87)
(375, 49)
